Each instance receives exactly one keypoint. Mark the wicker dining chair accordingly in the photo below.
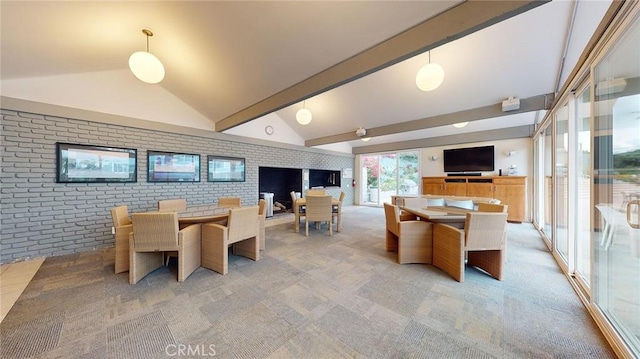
(262, 214)
(316, 192)
(241, 232)
(412, 239)
(298, 211)
(122, 228)
(172, 205)
(319, 209)
(335, 209)
(492, 207)
(483, 242)
(229, 202)
(155, 233)
(412, 202)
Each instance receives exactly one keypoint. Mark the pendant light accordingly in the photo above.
(430, 76)
(145, 66)
(303, 116)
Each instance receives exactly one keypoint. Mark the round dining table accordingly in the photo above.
(206, 213)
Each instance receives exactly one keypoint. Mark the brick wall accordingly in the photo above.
(39, 217)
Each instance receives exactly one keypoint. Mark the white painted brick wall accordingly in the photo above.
(39, 217)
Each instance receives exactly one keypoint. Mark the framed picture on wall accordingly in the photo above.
(172, 167)
(77, 163)
(225, 169)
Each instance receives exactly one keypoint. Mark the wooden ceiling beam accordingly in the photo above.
(455, 23)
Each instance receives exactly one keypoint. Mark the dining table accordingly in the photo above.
(205, 213)
(301, 202)
(453, 216)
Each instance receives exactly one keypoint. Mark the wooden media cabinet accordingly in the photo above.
(510, 190)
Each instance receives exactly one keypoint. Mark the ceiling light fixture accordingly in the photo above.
(145, 66)
(361, 132)
(430, 76)
(460, 124)
(303, 116)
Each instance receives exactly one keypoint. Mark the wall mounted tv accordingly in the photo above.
(469, 159)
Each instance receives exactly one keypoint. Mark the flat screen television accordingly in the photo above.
(469, 159)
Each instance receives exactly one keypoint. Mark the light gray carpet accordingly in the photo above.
(315, 297)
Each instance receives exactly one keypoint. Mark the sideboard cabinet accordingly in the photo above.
(510, 190)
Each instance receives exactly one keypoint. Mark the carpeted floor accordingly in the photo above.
(315, 297)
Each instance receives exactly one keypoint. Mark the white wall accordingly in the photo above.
(281, 133)
(115, 92)
(256, 129)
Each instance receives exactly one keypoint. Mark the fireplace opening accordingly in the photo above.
(280, 182)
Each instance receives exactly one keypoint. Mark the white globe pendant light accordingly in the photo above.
(460, 124)
(303, 116)
(145, 66)
(430, 76)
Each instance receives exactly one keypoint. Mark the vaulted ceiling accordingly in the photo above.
(353, 61)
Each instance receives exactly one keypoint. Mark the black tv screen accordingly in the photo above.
(469, 159)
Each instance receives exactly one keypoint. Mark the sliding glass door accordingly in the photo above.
(580, 182)
(617, 185)
(561, 181)
(389, 174)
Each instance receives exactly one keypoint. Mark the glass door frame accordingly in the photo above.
(584, 283)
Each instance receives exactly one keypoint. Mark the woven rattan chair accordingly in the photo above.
(172, 205)
(262, 214)
(241, 232)
(298, 211)
(155, 233)
(122, 228)
(229, 202)
(334, 209)
(319, 210)
(412, 239)
(492, 207)
(412, 202)
(483, 240)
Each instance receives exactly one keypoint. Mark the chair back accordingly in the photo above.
(334, 209)
(318, 208)
(243, 223)
(172, 205)
(392, 216)
(155, 231)
(316, 192)
(485, 230)
(491, 207)
(120, 216)
(229, 202)
(262, 205)
(415, 202)
(296, 209)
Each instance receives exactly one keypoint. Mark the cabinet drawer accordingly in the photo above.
(507, 180)
(437, 180)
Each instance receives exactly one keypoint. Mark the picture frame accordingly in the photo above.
(172, 167)
(79, 163)
(225, 169)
